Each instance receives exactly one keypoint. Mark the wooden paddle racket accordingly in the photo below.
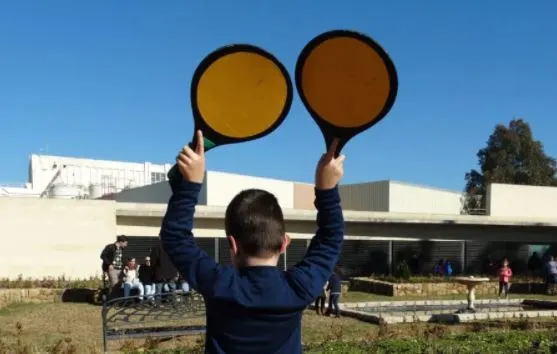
(238, 93)
(347, 82)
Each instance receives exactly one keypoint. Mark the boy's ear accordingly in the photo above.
(233, 244)
(285, 243)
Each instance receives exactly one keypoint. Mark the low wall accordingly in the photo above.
(9, 296)
(419, 289)
(438, 289)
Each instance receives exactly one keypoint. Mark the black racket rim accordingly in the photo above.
(329, 130)
(200, 124)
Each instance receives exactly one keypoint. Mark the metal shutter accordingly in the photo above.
(139, 247)
(295, 252)
(363, 258)
(429, 253)
(478, 253)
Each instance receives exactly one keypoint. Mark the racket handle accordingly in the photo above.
(329, 141)
(174, 172)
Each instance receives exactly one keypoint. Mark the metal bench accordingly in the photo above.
(163, 316)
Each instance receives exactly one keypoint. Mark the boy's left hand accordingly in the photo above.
(192, 163)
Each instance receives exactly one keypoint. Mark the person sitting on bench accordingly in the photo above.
(147, 277)
(131, 280)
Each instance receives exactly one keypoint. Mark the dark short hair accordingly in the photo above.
(121, 238)
(254, 218)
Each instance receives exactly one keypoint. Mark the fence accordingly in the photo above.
(363, 257)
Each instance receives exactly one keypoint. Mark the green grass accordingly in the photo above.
(515, 341)
(76, 328)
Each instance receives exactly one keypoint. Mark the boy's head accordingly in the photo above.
(505, 262)
(254, 225)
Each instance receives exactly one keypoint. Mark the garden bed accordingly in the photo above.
(432, 286)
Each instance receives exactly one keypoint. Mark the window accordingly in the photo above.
(157, 177)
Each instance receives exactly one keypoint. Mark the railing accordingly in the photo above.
(161, 315)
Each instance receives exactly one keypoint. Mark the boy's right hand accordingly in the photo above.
(329, 168)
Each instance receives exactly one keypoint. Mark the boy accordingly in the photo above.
(253, 307)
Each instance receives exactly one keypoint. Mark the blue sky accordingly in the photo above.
(110, 79)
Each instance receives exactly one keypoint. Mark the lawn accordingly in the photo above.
(76, 328)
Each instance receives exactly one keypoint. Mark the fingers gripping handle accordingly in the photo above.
(174, 172)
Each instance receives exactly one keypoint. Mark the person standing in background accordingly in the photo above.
(551, 271)
(535, 264)
(335, 290)
(505, 275)
(320, 301)
(112, 261)
(448, 269)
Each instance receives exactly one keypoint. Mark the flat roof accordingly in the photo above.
(215, 212)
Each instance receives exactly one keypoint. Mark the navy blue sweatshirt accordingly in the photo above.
(252, 309)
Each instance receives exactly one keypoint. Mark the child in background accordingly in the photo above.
(320, 301)
(439, 268)
(505, 274)
(448, 269)
(335, 289)
(253, 306)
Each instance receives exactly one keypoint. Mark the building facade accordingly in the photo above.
(71, 177)
(220, 187)
(386, 221)
(399, 197)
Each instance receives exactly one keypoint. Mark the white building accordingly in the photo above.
(71, 177)
(399, 197)
(517, 201)
(218, 190)
(388, 196)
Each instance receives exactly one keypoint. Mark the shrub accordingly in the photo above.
(50, 282)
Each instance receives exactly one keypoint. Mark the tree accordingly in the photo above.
(511, 156)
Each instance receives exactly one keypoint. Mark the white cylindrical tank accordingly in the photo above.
(95, 191)
(64, 191)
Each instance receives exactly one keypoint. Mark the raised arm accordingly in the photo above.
(310, 275)
(196, 266)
